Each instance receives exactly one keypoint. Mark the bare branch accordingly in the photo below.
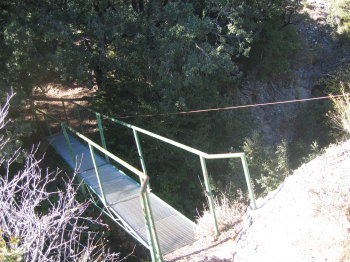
(40, 225)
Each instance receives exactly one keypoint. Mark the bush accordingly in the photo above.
(268, 166)
(228, 214)
(60, 232)
(341, 114)
(340, 13)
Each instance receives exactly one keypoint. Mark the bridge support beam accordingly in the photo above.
(100, 128)
(156, 254)
(248, 181)
(97, 175)
(209, 196)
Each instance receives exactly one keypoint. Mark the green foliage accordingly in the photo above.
(340, 12)
(268, 166)
(9, 251)
(311, 126)
(150, 57)
(340, 116)
(332, 84)
(272, 53)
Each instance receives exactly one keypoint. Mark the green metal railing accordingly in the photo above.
(155, 251)
(202, 156)
(144, 181)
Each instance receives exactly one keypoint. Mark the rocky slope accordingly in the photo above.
(320, 53)
(305, 219)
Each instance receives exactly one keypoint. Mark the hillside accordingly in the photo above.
(305, 219)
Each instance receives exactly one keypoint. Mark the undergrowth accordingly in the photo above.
(228, 213)
(341, 114)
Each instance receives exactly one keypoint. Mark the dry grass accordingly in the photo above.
(229, 215)
(346, 244)
(346, 251)
(341, 115)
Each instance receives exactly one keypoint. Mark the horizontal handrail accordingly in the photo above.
(137, 172)
(140, 174)
(162, 138)
(141, 130)
(144, 178)
(153, 244)
(226, 155)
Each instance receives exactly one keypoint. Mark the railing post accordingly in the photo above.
(248, 180)
(69, 145)
(77, 112)
(97, 175)
(71, 153)
(65, 111)
(139, 150)
(150, 225)
(100, 128)
(32, 105)
(209, 195)
(48, 125)
(155, 255)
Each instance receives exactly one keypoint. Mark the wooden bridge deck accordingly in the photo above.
(123, 197)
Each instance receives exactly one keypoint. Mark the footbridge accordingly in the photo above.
(131, 204)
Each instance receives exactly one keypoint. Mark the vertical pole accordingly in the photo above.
(97, 175)
(152, 234)
(144, 203)
(65, 111)
(32, 105)
(71, 153)
(210, 196)
(77, 111)
(248, 180)
(69, 145)
(139, 150)
(48, 125)
(100, 128)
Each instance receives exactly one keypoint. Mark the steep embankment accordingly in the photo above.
(320, 53)
(305, 219)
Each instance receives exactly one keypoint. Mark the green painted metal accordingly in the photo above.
(65, 111)
(248, 181)
(100, 128)
(153, 238)
(97, 174)
(146, 214)
(32, 107)
(48, 125)
(109, 154)
(156, 254)
(151, 231)
(70, 149)
(209, 195)
(139, 150)
(77, 112)
(189, 149)
(143, 131)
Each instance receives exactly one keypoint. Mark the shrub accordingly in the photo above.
(341, 114)
(60, 232)
(268, 165)
(340, 12)
(228, 213)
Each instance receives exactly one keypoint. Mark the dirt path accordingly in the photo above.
(47, 99)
